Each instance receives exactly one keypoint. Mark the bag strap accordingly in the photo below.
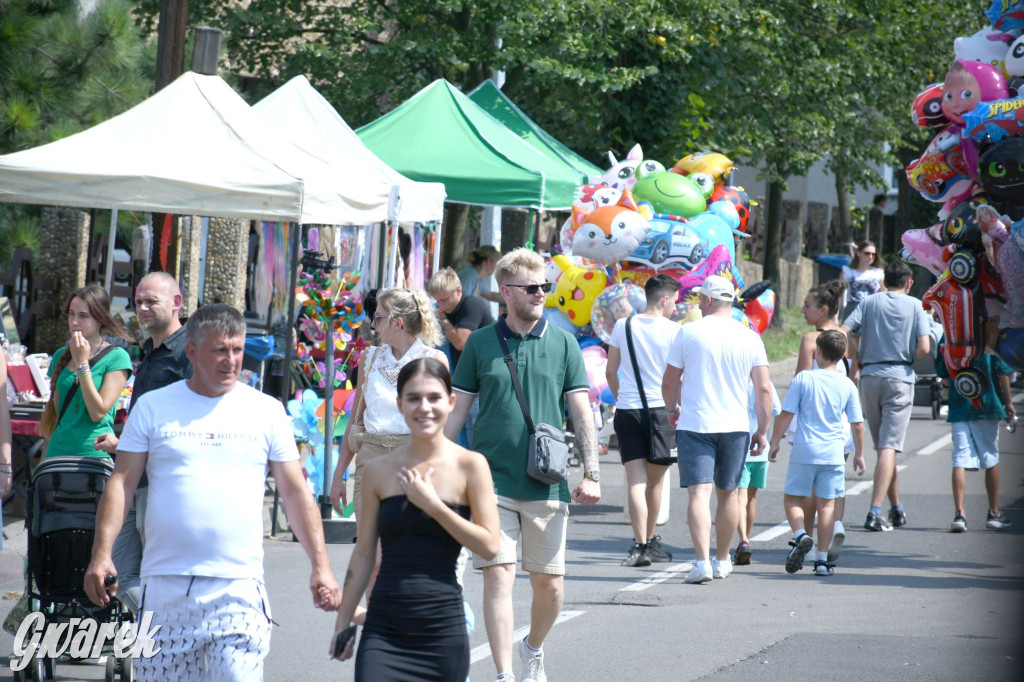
(74, 387)
(515, 381)
(362, 391)
(636, 367)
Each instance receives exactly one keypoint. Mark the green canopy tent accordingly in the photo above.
(440, 135)
(498, 105)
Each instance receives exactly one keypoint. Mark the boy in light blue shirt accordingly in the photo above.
(819, 397)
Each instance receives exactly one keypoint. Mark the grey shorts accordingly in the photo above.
(712, 457)
(887, 405)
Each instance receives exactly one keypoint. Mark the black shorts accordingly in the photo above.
(635, 440)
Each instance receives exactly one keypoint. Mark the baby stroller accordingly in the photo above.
(61, 519)
(928, 390)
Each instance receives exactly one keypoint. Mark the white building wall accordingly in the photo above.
(818, 185)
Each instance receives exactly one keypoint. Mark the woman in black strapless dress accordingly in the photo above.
(423, 503)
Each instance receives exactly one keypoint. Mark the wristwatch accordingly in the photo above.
(594, 475)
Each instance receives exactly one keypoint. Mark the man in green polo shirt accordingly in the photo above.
(550, 368)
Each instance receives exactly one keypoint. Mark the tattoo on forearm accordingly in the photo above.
(586, 444)
(348, 577)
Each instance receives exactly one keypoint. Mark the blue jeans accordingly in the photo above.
(127, 551)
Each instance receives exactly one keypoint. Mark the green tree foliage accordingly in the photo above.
(797, 82)
(598, 75)
(60, 73)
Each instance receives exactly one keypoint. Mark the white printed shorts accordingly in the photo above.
(209, 628)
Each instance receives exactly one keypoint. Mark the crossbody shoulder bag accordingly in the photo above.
(661, 432)
(547, 459)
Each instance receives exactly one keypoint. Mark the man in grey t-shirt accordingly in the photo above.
(887, 332)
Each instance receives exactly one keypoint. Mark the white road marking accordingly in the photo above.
(858, 488)
(771, 533)
(484, 650)
(937, 445)
(654, 579)
(783, 528)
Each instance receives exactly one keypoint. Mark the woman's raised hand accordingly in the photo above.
(78, 346)
(419, 488)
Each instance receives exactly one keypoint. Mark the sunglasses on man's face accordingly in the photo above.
(532, 289)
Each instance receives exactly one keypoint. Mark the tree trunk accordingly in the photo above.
(843, 204)
(170, 46)
(773, 240)
(773, 233)
(455, 219)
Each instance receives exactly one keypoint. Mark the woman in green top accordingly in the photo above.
(99, 379)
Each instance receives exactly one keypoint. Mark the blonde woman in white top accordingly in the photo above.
(407, 326)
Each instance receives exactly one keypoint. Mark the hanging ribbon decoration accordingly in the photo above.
(529, 239)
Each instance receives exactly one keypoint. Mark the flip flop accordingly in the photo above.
(743, 554)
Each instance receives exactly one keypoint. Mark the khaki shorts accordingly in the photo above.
(367, 453)
(887, 405)
(541, 524)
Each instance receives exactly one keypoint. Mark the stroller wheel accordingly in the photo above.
(36, 669)
(111, 671)
(127, 669)
(49, 665)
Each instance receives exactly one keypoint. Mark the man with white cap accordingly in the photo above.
(706, 392)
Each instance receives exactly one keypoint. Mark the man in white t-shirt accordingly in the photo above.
(646, 448)
(205, 444)
(714, 358)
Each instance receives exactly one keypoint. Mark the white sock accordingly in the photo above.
(822, 556)
(530, 649)
(701, 564)
(798, 535)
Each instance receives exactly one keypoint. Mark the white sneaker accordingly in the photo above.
(699, 574)
(838, 537)
(533, 663)
(721, 569)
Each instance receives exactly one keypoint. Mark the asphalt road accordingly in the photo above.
(918, 603)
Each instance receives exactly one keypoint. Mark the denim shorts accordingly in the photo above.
(827, 481)
(976, 444)
(712, 458)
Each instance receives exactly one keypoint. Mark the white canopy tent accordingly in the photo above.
(300, 113)
(193, 148)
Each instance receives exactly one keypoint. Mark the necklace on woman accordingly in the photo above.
(102, 345)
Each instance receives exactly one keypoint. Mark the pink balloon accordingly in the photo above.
(717, 263)
(923, 248)
(595, 359)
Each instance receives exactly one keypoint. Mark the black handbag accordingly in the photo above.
(547, 459)
(658, 426)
